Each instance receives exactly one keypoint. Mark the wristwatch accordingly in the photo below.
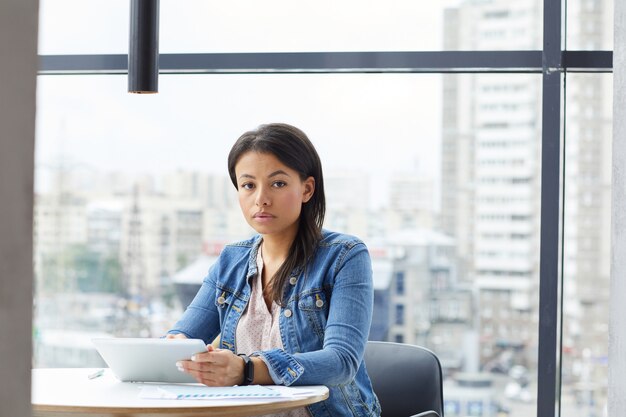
(248, 369)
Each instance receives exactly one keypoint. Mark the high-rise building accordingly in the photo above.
(490, 173)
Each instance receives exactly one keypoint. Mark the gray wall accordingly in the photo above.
(617, 321)
(18, 66)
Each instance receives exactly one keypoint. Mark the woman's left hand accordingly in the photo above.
(215, 368)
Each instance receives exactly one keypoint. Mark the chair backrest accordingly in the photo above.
(407, 379)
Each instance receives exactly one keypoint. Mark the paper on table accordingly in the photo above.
(291, 392)
(186, 392)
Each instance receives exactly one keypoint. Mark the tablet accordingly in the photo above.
(148, 359)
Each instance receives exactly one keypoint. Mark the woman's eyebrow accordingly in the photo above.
(279, 172)
(273, 174)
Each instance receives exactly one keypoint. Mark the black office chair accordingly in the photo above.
(406, 378)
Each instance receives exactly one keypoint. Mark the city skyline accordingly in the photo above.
(147, 139)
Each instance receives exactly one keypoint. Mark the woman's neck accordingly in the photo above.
(276, 248)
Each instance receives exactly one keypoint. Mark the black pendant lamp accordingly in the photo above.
(143, 51)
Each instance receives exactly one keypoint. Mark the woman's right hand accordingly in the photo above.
(175, 336)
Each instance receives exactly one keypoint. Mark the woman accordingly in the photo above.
(293, 304)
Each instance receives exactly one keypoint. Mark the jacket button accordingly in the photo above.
(221, 300)
(319, 303)
(293, 280)
(287, 313)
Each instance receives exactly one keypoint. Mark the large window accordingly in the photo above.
(478, 202)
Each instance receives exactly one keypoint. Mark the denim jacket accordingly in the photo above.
(324, 324)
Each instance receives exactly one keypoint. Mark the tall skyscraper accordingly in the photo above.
(490, 174)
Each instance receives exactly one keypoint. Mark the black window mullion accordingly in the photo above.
(306, 62)
(334, 62)
(548, 369)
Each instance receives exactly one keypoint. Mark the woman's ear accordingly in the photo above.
(309, 189)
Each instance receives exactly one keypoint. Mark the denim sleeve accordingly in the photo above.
(346, 331)
(201, 320)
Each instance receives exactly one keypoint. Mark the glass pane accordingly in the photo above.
(83, 27)
(494, 25)
(438, 174)
(490, 206)
(590, 25)
(587, 242)
(101, 27)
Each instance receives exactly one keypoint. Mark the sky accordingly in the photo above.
(357, 121)
(101, 26)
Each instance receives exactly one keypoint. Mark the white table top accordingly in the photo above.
(69, 392)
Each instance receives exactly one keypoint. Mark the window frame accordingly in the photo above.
(554, 61)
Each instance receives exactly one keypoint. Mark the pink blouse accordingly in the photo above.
(258, 328)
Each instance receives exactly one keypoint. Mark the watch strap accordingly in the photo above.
(248, 369)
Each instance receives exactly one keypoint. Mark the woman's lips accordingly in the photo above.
(263, 217)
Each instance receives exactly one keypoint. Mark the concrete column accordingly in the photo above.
(617, 316)
(18, 70)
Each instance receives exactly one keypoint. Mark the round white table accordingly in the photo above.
(70, 393)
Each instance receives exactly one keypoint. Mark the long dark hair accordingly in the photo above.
(293, 148)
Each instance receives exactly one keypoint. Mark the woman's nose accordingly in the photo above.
(262, 199)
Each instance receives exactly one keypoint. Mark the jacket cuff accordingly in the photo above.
(283, 368)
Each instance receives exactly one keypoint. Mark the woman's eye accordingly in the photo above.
(279, 184)
(247, 186)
